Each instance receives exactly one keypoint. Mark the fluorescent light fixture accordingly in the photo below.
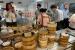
(38, 0)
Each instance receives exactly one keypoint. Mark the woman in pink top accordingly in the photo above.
(43, 19)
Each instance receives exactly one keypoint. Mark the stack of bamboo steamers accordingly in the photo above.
(43, 38)
(29, 41)
(52, 32)
(63, 41)
(52, 27)
(47, 35)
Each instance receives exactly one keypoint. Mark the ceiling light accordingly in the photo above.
(38, 0)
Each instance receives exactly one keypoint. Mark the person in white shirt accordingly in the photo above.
(10, 15)
(71, 27)
(72, 21)
(57, 16)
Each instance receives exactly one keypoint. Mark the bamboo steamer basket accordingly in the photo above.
(63, 44)
(27, 39)
(8, 48)
(43, 43)
(29, 43)
(63, 41)
(30, 40)
(33, 46)
(25, 28)
(45, 37)
(43, 31)
(52, 32)
(64, 37)
(52, 27)
(51, 38)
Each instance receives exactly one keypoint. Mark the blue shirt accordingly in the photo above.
(65, 11)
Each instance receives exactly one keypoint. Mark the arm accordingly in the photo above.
(4, 14)
(49, 19)
(38, 19)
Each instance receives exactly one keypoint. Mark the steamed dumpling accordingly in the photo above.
(6, 43)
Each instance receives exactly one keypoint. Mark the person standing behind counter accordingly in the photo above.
(10, 15)
(37, 12)
(65, 10)
(56, 15)
(43, 19)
